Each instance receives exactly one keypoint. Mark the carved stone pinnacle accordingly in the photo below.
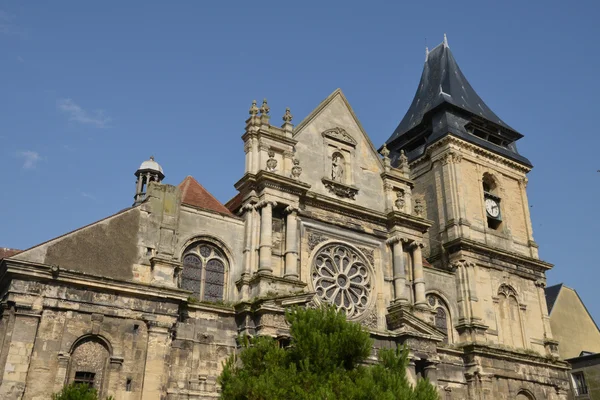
(264, 109)
(385, 151)
(287, 117)
(253, 108)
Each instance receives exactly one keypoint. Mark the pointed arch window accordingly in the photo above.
(204, 266)
(441, 318)
(510, 325)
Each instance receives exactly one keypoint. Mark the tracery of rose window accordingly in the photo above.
(341, 277)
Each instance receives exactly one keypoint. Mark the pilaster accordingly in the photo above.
(155, 370)
(17, 349)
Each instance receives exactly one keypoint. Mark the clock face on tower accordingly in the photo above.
(492, 208)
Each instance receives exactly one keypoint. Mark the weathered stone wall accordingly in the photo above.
(108, 246)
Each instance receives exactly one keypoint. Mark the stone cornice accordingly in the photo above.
(343, 208)
(512, 354)
(398, 218)
(269, 179)
(450, 139)
(42, 272)
(216, 308)
(480, 248)
(274, 136)
(396, 176)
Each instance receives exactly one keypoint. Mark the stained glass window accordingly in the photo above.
(440, 318)
(204, 272)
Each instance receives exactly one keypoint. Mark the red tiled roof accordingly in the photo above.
(234, 202)
(6, 252)
(194, 194)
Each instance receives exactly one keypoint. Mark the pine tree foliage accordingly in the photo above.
(77, 392)
(326, 360)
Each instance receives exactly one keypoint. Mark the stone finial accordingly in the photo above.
(152, 158)
(385, 151)
(264, 109)
(426, 53)
(253, 109)
(445, 41)
(402, 160)
(287, 117)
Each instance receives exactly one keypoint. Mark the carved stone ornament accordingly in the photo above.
(371, 322)
(342, 278)
(419, 208)
(369, 253)
(287, 117)
(253, 109)
(296, 169)
(402, 160)
(271, 162)
(340, 135)
(340, 189)
(400, 202)
(314, 239)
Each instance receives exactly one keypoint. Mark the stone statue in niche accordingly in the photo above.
(337, 167)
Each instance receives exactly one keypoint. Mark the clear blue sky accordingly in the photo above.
(91, 89)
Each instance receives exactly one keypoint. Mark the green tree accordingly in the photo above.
(77, 392)
(326, 360)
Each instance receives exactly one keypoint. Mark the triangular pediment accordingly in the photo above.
(341, 161)
(401, 321)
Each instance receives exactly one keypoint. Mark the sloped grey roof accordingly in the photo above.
(442, 81)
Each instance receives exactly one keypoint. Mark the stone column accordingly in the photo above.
(399, 270)
(431, 373)
(155, 370)
(18, 347)
(248, 223)
(266, 238)
(291, 244)
(418, 274)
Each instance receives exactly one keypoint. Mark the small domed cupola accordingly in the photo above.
(149, 171)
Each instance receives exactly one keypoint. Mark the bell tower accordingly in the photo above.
(471, 181)
(149, 171)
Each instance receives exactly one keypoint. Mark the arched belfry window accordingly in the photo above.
(203, 274)
(441, 317)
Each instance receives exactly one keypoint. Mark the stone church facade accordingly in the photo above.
(426, 240)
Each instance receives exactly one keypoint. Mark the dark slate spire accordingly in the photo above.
(445, 103)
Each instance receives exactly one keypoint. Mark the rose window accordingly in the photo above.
(341, 277)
